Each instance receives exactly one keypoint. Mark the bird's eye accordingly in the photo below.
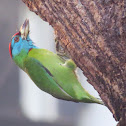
(16, 39)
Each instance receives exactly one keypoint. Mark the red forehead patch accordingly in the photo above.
(10, 49)
(18, 33)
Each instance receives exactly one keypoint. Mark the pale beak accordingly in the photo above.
(24, 29)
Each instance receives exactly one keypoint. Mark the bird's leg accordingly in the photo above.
(61, 51)
(64, 55)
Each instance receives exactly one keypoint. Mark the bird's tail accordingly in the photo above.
(100, 101)
(96, 100)
(92, 99)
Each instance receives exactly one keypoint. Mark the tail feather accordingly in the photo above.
(101, 102)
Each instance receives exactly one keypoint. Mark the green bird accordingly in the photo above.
(47, 70)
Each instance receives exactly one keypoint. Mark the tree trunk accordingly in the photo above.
(94, 34)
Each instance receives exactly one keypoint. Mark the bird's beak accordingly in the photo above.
(24, 29)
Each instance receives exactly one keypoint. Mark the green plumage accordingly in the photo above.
(51, 74)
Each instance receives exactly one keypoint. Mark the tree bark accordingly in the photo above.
(94, 34)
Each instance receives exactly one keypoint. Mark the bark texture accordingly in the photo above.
(94, 33)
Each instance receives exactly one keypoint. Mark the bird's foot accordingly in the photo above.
(60, 51)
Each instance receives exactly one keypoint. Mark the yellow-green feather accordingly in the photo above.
(63, 75)
(43, 80)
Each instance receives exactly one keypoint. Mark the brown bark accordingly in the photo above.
(94, 33)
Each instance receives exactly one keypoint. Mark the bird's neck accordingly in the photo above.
(19, 59)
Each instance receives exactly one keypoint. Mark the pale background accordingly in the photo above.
(21, 102)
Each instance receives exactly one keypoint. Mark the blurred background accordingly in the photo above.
(21, 102)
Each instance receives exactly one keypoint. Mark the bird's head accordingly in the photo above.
(21, 41)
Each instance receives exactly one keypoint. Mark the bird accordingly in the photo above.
(47, 70)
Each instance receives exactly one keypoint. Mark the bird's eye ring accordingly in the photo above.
(16, 39)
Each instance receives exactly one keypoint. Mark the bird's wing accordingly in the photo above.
(43, 78)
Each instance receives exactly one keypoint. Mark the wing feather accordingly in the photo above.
(43, 78)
